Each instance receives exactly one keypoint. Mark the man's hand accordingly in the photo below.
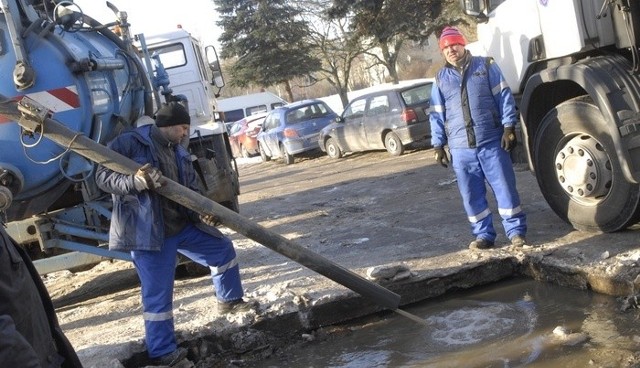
(441, 156)
(509, 140)
(147, 177)
(210, 220)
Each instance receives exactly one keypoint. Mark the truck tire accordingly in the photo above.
(578, 170)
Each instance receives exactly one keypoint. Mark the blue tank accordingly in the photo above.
(87, 78)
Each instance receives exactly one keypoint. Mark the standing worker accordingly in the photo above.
(154, 229)
(30, 335)
(474, 114)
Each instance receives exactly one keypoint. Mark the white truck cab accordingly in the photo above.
(188, 71)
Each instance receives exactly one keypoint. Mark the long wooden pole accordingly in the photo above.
(102, 155)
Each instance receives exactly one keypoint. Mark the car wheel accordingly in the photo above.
(244, 152)
(286, 156)
(263, 154)
(332, 148)
(578, 169)
(393, 144)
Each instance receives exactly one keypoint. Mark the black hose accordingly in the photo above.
(106, 32)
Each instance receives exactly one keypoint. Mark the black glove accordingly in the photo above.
(509, 140)
(210, 220)
(147, 177)
(440, 156)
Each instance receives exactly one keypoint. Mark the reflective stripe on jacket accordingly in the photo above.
(470, 109)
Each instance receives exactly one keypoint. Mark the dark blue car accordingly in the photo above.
(293, 129)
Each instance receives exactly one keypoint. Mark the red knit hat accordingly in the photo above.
(451, 36)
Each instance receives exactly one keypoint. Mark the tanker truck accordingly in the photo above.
(574, 67)
(97, 80)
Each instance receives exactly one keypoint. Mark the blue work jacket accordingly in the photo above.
(470, 109)
(136, 219)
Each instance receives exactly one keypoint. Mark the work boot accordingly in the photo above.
(237, 306)
(171, 359)
(518, 241)
(480, 244)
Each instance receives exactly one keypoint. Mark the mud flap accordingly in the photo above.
(217, 184)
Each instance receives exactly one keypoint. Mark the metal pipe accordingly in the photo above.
(36, 120)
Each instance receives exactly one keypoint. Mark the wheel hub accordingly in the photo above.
(583, 168)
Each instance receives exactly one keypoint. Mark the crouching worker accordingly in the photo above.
(154, 229)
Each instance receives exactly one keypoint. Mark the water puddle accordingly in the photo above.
(515, 323)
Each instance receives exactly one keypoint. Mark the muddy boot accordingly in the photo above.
(518, 241)
(480, 244)
(171, 359)
(237, 306)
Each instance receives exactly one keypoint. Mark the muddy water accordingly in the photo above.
(509, 324)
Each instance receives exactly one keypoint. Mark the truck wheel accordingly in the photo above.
(286, 156)
(263, 154)
(393, 144)
(332, 148)
(578, 171)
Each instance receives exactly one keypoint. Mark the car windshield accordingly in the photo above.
(416, 95)
(306, 112)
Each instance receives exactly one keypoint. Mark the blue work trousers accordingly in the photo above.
(156, 270)
(490, 163)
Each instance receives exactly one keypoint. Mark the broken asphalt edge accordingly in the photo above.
(430, 278)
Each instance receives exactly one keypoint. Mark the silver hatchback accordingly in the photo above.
(386, 119)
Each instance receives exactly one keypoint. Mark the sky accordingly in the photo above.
(158, 16)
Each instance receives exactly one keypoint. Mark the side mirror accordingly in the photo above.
(472, 7)
(339, 119)
(475, 8)
(214, 66)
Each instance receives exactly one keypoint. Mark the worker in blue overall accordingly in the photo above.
(474, 114)
(154, 229)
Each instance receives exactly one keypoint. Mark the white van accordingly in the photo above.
(236, 108)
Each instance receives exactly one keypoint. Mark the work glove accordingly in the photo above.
(147, 177)
(441, 156)
(509, 140)
(210, 220)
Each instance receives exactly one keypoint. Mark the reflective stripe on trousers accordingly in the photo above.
(490, 163)
(156, 271)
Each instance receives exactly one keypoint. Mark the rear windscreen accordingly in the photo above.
(417, 95)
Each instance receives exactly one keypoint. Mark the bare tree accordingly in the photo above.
(333, 42)
(388, 24)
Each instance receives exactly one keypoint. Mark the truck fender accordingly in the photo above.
(613, 89)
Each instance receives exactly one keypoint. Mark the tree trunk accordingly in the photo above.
(343, 97)
(390, 60)
(287, 88)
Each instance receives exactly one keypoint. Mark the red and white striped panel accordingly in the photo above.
(56, 100)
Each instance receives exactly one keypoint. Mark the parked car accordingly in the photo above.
(386, 119)
(293, 129)
(243, 135)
